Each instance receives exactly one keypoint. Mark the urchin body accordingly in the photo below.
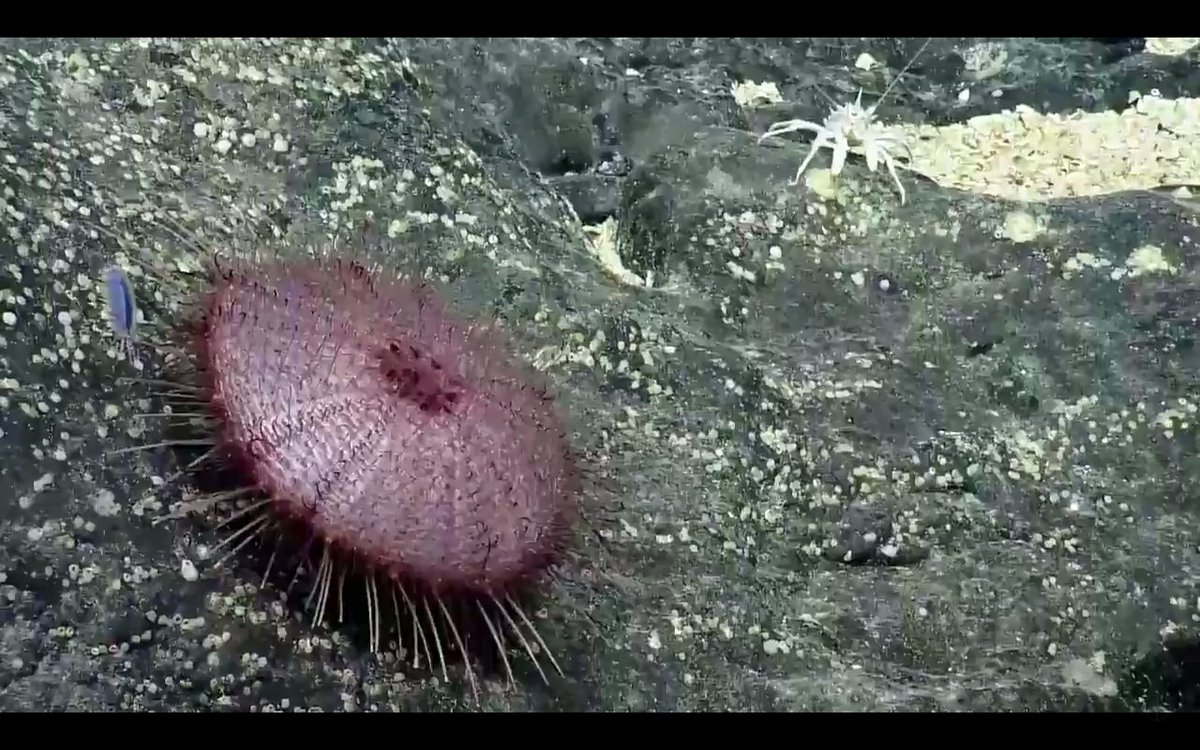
(391, 429)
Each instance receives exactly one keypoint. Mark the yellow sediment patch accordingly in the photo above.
(1171, 46)
(1025, 155)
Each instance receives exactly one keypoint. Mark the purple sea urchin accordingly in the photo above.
(404, 444)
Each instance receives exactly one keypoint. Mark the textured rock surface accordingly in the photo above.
(1007, 391)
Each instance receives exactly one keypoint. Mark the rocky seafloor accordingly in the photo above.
(867, 455)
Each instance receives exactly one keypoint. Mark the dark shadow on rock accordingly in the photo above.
(1168, 678)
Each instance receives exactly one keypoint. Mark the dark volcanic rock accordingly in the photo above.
(867, 536)
(809, 370)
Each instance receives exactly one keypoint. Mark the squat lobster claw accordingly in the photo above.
(847, 127)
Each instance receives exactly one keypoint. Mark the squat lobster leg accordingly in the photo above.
(878, 151)
(822, 140)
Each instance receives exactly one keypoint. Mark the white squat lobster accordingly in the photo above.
(851, 127)
(847, 127)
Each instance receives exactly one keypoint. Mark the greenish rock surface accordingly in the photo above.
(848, 453)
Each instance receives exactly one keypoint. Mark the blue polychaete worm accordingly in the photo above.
(122, 308)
